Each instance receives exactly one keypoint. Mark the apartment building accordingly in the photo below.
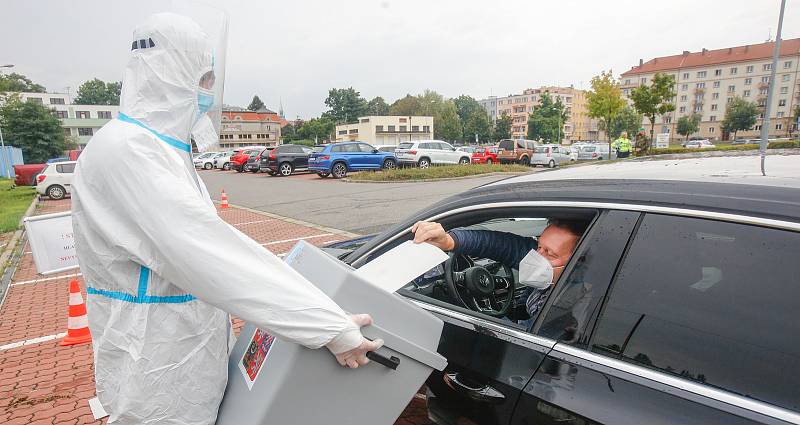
(708, 80)
(79, 121)
(386, 130)
(578, 126)
(245, 128)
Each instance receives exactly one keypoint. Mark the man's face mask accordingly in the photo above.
(535, 271)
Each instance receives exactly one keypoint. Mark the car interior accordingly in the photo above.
(453, 282)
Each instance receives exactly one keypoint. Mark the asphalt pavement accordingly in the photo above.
(362, 208)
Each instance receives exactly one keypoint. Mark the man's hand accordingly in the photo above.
(358, 356)
(434, 234)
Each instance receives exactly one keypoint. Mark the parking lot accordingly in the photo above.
(362, 208)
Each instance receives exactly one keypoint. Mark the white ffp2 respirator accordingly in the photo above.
(535, 271)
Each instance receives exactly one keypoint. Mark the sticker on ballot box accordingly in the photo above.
(255, 355)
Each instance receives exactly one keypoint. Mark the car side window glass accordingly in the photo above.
(365, 148)
(425, 146)
(521, 145)
(351, 147)
(65, 168)
(445, 146)
(709, 301)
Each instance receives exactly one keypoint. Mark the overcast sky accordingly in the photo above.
(297, 50)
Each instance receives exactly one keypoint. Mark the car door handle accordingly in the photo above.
(477, 392)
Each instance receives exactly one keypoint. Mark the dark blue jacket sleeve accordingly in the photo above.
(506, 248)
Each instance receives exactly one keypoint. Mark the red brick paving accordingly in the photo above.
(44, 383)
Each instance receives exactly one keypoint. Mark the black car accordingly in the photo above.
(285, 160)
(678, 305)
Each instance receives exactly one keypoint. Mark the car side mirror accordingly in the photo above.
(374, 151)
(453, 149)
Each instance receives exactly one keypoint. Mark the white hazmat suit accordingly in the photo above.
(161, 268)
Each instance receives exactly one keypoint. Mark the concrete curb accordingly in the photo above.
(299, 222)
(445, 179)
(6, 273)
(716, 154)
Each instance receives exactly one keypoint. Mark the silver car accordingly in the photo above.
(596, 151)
(549, 155)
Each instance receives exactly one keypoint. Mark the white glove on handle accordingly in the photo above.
(357, 356)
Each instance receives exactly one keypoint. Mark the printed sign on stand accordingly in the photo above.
(52, 242)
(662, 140)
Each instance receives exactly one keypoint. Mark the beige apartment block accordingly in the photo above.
(708, 80)
(579, 126)
(386, 130)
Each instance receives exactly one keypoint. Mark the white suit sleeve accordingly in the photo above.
(183, 240)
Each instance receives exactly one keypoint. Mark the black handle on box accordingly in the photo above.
(390, 362)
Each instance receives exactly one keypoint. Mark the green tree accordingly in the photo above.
(474, 119)
(14, 82)
(688, 125)
(317, 128)
(32, 128)
(627, 120)
(546, 122)
(655, 99)
(98, 92)
(446, 124)
(378, 107)
(288, 132)
(408, 105)
(346, 105)
(605, 102)
(739, 115)
(256, 104)
(502, 128)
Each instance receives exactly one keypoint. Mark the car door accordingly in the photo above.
(426, 149)
(682, 335)
(302, 157)
(372, 160)
(447, 153)
(65, 173)
(352, 155)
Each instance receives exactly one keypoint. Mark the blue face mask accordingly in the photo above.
(204, 102)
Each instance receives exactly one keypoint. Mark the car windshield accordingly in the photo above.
(506, 144)
(540, 149)
(405, 145)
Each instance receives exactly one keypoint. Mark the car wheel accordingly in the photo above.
(226, 166)
(600, 158)
(56, 192)
(323, 175)
(239, 169)
(489, 161)
(525, 161)
(339, 170)
(424, 163)
(551, 164)
(286, 169)
(389, 164)
(463, 161)
(208, 166)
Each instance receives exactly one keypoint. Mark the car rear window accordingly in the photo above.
(540, 149)
(506, 144)
(493, 150)
(319, 149)
(405, 146)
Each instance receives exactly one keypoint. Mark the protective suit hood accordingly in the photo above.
(170, 53)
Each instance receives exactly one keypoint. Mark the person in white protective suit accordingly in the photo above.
(162, 269)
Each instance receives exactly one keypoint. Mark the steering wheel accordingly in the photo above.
(477, 289)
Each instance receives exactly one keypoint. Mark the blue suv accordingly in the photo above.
(337, 159)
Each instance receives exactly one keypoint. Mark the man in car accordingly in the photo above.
(556, 245)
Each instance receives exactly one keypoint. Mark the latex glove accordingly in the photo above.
(358, 356)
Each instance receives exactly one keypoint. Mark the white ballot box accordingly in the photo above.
(274, 382)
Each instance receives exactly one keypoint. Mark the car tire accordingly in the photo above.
(285, 169)
(239, 169)
(551, 164)
(226, 166)
(339, 170)
(254, 170)
(600, 158)
(525, 161)
(323, 175)
(56, 192)
(208, 166)
(389, 164)
(464, 161)
(424, 163)
(489, 161)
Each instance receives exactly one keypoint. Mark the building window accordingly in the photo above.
(782, 102)
(82, 114)
(379, 129)
(699, 97)
(711, 129)
(391, 129)
(57, 101)
(627, 81)
(748, 81)
(85, 131)
(778, 126)
(763, 92)
(644, 80)
(749, 69)
(734, 71)
(784, 90)
(717, 72)
(757, 128)
(780, 114)
(700, 85)
(746, 93)
(627, 92)
(765, 80)
(35, 100)
(701, 74)
(683, 98)
(715, 95)
(363, 120)
(403, 119)
(787, 64)
(698, 108)
(342, 132)
(415, 128)
(684, 87)
(714, 107)
(731, 89)
(682, 109)
(712, 118)
(685, 75)
(426, 129)
(353, 131)
(403, 128)
(61, 114)
(716, 84)
(767, 67)
(104, 115)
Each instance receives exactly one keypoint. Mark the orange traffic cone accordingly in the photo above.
(224, 200)
(77, 322)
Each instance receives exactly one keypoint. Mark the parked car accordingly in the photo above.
(59, 159)
(205, 160)
(56, 180)
(239, 160)
(515, 151)
(694, 139)
(285, 160)
(425, 153)
(386, 148)
(742, 141)
(253, 163)
(655, 318)
(26, 174)
(595, 151)
(485, 155)
(549, 155)
(223, 160)
(338, 159)
(698, 144)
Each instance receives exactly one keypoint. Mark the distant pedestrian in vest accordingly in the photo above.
(622, 145)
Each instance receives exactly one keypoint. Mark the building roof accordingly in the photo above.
(261, 115)
(749, 52)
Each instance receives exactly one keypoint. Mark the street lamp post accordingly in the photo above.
(6, 156)
(765, 122)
